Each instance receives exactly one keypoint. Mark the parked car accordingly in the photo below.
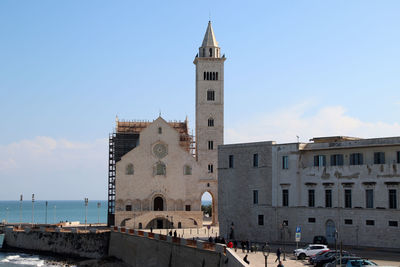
(329, 257)
(343, 262)
(309, 250)
(360, 263)
(313, 257)
(320, 239)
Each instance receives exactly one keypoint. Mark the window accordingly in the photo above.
(285, 162)
(398, 156)
(210, 52)
(392, 199)
(210, 95)
(370, 222)
(216, 76)
(128, 207)
(210, 122)
(393, 223)
(187, 207)
(311, 220)
(285, 222)
(210, 168)
(129, 169)
(379, 158)
(260, 219)
(159, 130)
(255, 196)
(337, 160)
(187, 170)
(328, 198)
(347, 198)
(356, 159)
(205, 75)
(160, 168)
(230, 161)
(311, 198)
(319, 160)
(348, 221)
(285, 197)
(210, 145)
(369, 198)
(255, 160)
(140, 225)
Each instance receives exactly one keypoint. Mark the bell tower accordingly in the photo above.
(209, 102)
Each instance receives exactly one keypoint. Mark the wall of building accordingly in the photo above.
(87, 245)
(298, 178)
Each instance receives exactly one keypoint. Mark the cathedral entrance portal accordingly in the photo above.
(158, 204)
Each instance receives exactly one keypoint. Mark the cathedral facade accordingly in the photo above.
(158, 172)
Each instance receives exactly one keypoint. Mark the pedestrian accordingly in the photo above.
(246, 260)
(242, 244)
(280, 264)
(235, 245)
(210, 239)
(278, 254)
(170, 233)
(230, 244)
(175, 233)
(248, 246)
(223, 241)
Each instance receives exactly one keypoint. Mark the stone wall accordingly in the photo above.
(139, 248)
(87, 245)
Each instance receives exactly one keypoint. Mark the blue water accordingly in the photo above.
(57, 210)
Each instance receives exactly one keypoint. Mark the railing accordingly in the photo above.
(199, 244)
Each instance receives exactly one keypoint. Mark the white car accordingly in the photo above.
(309, 250)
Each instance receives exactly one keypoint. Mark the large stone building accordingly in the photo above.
(158, 172)
(346, 189)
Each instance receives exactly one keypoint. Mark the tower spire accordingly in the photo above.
(209, 38)
(209, 47)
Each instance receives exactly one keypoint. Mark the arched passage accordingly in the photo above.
(159, 223)
(207, 206)
(158, 204)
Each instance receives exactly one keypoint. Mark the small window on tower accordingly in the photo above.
(210, 145)
(210, 168)
(159, 130)
(216, 76)
(205, 75)
(210, 95)
(210, 52)
(210, 122)
(213, 76)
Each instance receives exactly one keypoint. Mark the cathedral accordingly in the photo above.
(157, 171)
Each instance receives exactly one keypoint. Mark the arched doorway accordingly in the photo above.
(207, 205)
(330, 231)
(159, 223)
(158, 204)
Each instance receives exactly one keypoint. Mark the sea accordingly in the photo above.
(55, 211)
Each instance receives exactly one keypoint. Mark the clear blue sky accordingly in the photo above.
(67, 68)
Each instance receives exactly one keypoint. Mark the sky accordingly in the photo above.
(293, 68)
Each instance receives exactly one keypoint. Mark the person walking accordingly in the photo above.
(278, 255)
(248, 246)
(235, 243)
(243, 244)
(280, 264)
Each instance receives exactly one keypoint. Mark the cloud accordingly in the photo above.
(306, 122)
(54, 168)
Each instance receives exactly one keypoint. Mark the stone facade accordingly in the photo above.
(342, 184)
(160, 181)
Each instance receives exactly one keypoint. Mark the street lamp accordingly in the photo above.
(55, 209)
(284, 240)
(98, 212)
(47, 203)
(20, 210)
(86, 204)
(266, 250)
(33, 205)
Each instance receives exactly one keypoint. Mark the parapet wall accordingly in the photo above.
(139, 248)
(76, 243)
